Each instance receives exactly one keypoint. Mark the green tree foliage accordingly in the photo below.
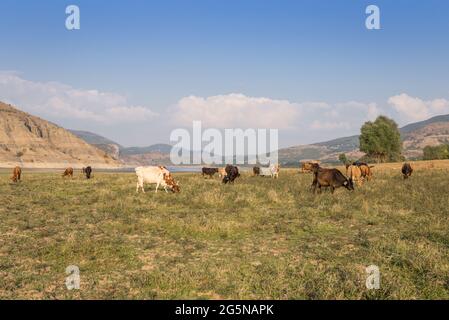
(381, 140)
(343, 159)
(436, 153)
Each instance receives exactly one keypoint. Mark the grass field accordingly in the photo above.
(257, 239)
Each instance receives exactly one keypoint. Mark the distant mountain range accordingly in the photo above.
(32, 141)
(416, 136)
(154, 154)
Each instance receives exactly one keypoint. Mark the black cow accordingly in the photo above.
(407, 170)
(209, 171)
(332, 178)
(256, 171)
(232, 172)
(87, 172)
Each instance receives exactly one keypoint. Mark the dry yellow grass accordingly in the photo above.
(257, 239)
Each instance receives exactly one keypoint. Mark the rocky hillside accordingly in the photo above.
(415, 136)
(29, 141)
(108, 146)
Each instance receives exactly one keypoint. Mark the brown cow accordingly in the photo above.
(16, 174)
(366, 171)
(333, 178)
(221, 172)
(355, 174)
(68, 173)
(308, 166)
(209, 171)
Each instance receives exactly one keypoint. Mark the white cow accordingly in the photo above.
(272, 171)
(155, 175)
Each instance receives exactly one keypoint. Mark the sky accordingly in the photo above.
(136, 70)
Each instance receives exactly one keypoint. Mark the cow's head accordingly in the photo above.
(174, 186)
(348, 184)
(314, 167)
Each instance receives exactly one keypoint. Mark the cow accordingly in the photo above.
(332, 178)
(232, 172)
(158, 175)
(256, 171)
(308, 166)
(272, 171)
(366, 171)
(209, 171)
(221, 172)
(87, 172)
(355, 174)
(68, 173)
(16, 174)
(407, 170)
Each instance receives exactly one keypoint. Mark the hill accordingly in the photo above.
(132, 156)
(30, 141)
(110, 147)
(415, 136)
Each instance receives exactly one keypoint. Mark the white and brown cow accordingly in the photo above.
(272, 171)
(158, 175)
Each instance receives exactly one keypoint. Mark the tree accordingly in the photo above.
(381, 140)
(436, 153)
(343, 159)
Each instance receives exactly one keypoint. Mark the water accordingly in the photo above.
(170, 168)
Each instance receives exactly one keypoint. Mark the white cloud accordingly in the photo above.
(60, 101)
(327, 125)
(235, 110)
(416, 109)
(238, 110)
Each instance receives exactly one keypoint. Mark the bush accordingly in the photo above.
(436, 153)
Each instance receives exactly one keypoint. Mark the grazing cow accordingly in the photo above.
(275, 170)
(16, 174)
(232, 172)
(256, 171)
(355, 174)
(366, 171)
(209, 171)
(68, 173)
(158, 175)
(407, 170)
(308, 166)
(332, 178)
(87, 172)
(272, 171)
(221, 172)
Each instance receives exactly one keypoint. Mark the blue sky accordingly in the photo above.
(148, 58)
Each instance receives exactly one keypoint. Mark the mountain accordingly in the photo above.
(155, 154)
(108, 146)
(132, 156)
(415, 136)
(30, 141)
(161, 148)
